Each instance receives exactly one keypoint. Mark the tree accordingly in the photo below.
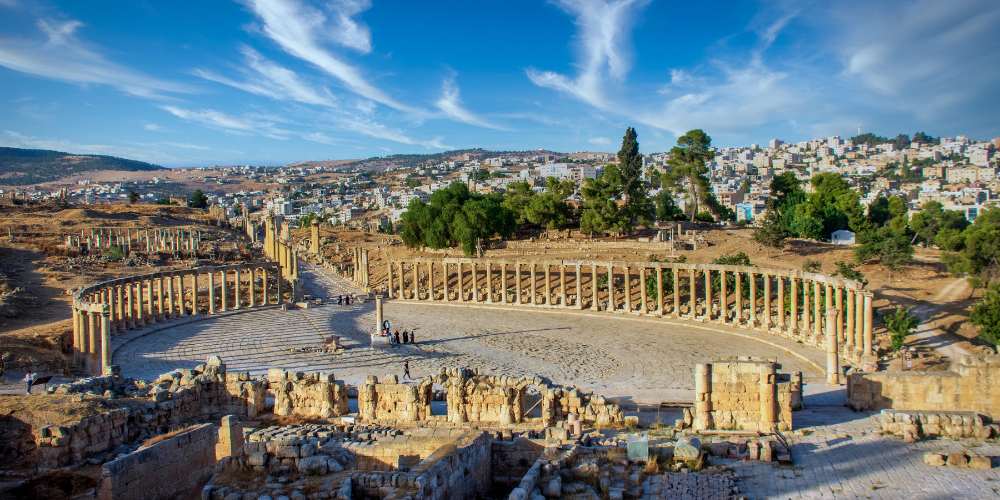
(601, 211)
(133, 197)
(637, 208)
(517, 198)
(900, 323)
(979, 257)
(986, 315)
(666, 207)
(933, 221)
(198, 199)
(549, 209)
(770, 233)
(455, 217)
(688, 170)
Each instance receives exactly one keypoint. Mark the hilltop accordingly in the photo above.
(32, 166)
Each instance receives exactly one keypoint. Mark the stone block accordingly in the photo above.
(934, 459)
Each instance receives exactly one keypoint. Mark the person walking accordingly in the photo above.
(406, 371)
(29, 378)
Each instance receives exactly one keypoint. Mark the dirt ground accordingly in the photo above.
(37, 274)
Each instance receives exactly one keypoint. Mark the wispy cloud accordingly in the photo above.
(301, 31)
(599, 141)
(450, 104)
(602, 51)
(244, 125)
(152, 127)
(60, 54)
(263, 77)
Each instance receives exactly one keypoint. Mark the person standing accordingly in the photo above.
(396, 337)
(29, 378)
(413, 337)
(406, 337)
(406, 371)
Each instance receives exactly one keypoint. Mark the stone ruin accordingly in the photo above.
(744, 394)
(481, 400)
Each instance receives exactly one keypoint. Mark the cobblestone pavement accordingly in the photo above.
(622, 356)
(837, 454)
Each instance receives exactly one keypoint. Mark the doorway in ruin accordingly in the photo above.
(439, 400)
(531, 402)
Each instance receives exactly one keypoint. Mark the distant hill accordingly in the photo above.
(32, 166)
(415, 160)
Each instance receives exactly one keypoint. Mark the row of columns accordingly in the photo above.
(793, 304)
(278, 248)
(359, 268)
(175, 240)
(129, 303)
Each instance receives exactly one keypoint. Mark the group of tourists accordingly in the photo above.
(343, 300)
(395, 339)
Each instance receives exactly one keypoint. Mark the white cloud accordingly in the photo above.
(244, 125)
(602, 28)
(263, 77)
(300, 30)
(450, 104)
(345, 30)
(61, 55)
(152, 127)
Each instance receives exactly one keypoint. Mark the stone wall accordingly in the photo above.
(969, 386)
(481, 400)
(913, 425)
(744, 394)
(307, 395)
(175, 467)
(511, 460)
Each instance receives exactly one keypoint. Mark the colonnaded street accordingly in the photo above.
(638, 359)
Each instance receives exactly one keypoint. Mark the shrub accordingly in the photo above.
(900, 323)
(986, 315)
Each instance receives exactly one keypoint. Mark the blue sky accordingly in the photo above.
(275, 81)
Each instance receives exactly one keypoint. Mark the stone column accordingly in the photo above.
(806, 305)
(794, 304)
(851, 346)
(739, 297)
(534, 291)
(693, 293)
(171, 301)
(829, 300)
(129, 306)
(753, 299)
(159, 297)
(562, 284)
(642, 290)
(768, 313)
(660, 299)
(251, 286)
(390, 288)
(867, 339)
(402, 280)
(194, 293)
(314, 242)
(832, 356)
(76, 333)
(676, 276)
(140, 297)
(838, 298)
(489, 282)
(237, 276)
(461, 284)
(817, 318)
(517, 282)
(593, 288)
(708, 295)
(782, 324)
(475, 282)
(150, 307)
(430, 280)
(579, 286)
(120, 307)
(93, 342)
(627, 272)
(264, 299)
(378, 313)
(503, 282)
(768, 398)
(415, 269)
(702, 395)
(224, 289)
(105, 366)
(211, 292)
(723, 298)
(548, 284)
